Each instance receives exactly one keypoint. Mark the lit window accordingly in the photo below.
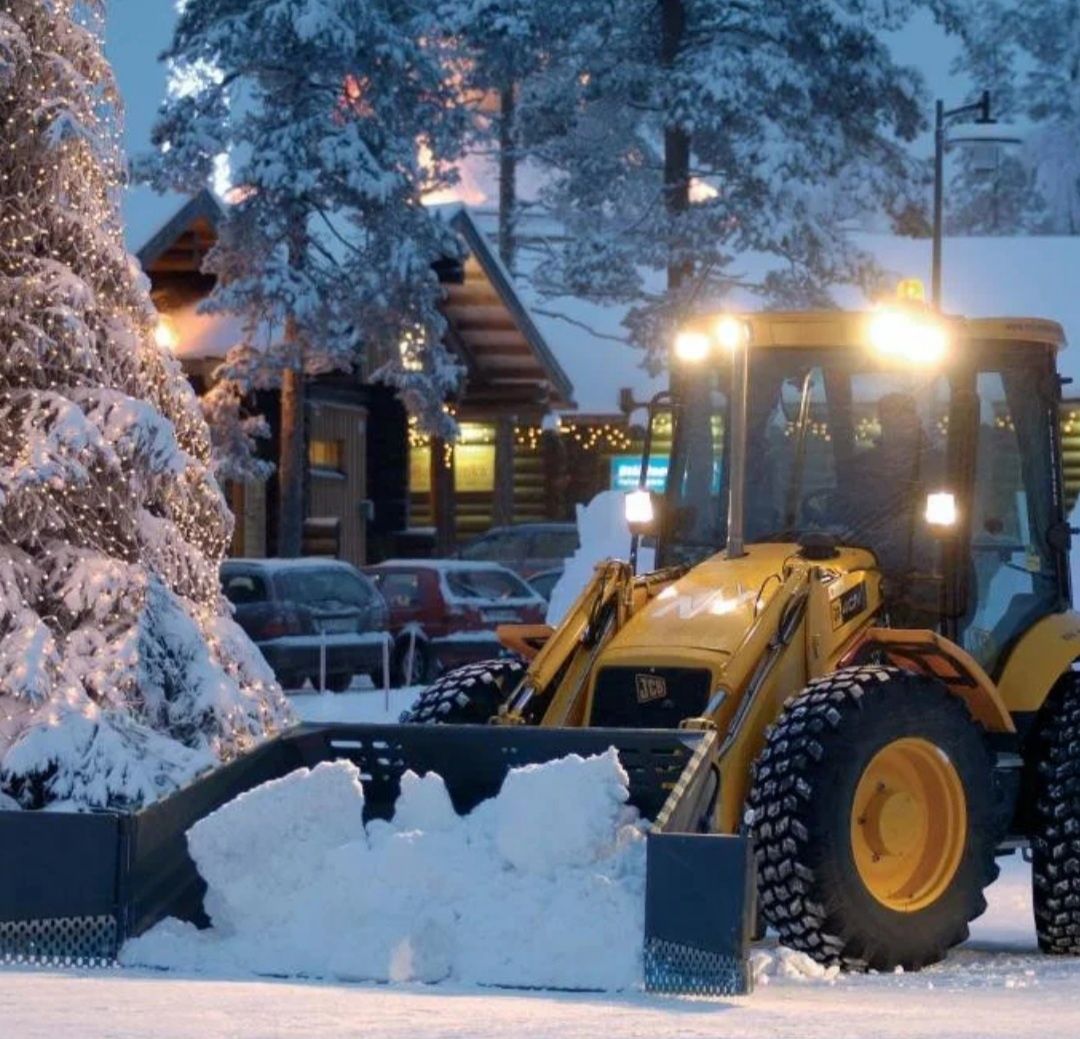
(327, 454)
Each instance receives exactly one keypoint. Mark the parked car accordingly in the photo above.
(543, 582)
(526, 548)
(444, 612)
(291, 608)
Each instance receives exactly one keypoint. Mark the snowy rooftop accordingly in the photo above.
(983, 277)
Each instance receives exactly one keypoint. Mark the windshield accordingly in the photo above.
(833, 444)
(324, 588)
(484, 584)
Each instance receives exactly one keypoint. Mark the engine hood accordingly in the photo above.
(708, 608)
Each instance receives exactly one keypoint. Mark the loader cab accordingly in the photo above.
(943, 459)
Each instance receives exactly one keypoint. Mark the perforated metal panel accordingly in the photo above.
(672, 968)
(69, 941)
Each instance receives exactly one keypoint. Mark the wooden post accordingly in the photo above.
(556, 475)
(502, 505)
(442, 496)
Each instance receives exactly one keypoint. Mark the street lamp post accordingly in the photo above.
(942, 117)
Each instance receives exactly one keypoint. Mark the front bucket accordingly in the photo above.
(693, 942)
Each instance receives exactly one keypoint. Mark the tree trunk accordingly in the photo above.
(507, 175)
(292, 453)
(291, 464)
(676, 139)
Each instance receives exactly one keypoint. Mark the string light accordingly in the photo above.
(105, 487)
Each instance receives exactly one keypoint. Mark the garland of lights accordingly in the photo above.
(105, 485)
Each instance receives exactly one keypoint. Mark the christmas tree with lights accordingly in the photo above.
(122, 675)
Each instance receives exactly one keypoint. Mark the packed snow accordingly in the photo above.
(299, 886)
(603, 534)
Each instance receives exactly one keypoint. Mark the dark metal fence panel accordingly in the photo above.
(59, 885)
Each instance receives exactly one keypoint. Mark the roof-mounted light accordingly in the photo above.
(909, 334)
(691, 347)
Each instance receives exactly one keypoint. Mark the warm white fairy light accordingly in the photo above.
(99, 495)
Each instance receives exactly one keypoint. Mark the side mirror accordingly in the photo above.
(642, 511)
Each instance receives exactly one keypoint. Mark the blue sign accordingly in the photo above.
(626, 472)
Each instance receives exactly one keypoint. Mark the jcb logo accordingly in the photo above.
(650, 688)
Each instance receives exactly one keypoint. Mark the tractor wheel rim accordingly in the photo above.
(908, 824)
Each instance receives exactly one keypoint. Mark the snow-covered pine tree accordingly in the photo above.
(1027, 52)
(121, 673)
(326, 109)
(698, 145)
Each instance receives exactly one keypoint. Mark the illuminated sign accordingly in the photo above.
(626, 472)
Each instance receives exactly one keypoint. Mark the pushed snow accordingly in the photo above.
(298, 885)
(603, 534)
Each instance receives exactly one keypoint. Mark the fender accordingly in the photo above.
(929, 653)
(1039, 658)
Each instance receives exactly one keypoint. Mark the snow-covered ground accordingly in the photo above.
(996, 985)
(359, 704)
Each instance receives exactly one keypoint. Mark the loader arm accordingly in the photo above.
(552, 691)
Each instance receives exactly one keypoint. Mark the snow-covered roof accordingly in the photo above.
(299, 563)
(438, 564)
(200, 336)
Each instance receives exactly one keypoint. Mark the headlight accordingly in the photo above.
(908, 336)
(732, 333)
(638, 508)
(941, 509)
(691, 347)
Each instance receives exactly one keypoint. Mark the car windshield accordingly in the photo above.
(325, 587)
(485, 584)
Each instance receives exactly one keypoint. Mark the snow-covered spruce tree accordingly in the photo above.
(1027, 52)
(121, 673)
(698, 144)
(325, 108)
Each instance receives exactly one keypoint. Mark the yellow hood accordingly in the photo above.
(710, 607)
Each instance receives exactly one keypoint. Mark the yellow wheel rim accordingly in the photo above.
(908, 824)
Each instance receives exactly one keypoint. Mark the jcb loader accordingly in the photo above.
(861, 584)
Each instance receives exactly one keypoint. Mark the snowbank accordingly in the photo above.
(541, 886)
(603, 534)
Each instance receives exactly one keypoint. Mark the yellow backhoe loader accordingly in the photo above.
(862, 587)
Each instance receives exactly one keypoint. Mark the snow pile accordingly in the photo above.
(542, 885)
(789, 964)
(603, 534)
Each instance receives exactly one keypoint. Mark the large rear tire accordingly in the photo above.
(1055, 840)
(468, 695)
(873, 820)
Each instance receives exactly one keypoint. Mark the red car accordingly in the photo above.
(444, 612)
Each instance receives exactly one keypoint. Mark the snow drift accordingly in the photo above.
(541, 886)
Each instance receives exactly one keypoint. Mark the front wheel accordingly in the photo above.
(1055, 840)
(467, 695)
(873, 820)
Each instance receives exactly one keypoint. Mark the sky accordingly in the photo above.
(139, 30)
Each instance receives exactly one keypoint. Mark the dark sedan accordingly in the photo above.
(316, 619)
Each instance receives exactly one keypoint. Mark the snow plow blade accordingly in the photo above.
(133, 870)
